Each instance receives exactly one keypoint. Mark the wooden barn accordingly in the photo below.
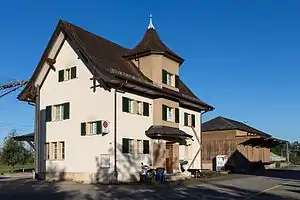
(244, 145)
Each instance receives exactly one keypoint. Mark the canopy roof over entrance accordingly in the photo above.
(25, 137)
(263, 142)
(167, 133)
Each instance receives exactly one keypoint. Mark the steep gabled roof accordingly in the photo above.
(222, 123)
(151, 43)
(106, 58)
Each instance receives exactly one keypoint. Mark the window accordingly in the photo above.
(139, 108)
(139, 146)
(47, 155)
(62, 150)
(127, 146)
(67, 74)
(127, 105)
(145, 109)
(146, 147)
(54, 150)
(189, 120)
(91, 128)
(170, 114)
(169, 79)
(61, 112)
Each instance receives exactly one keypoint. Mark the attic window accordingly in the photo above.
(67, 74)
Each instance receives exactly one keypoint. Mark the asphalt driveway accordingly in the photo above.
(272, 185)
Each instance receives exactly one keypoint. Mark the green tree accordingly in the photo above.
(13, 152)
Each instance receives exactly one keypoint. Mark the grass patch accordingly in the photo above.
(17, 168)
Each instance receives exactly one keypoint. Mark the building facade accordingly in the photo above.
(223, 136)
(102, 109)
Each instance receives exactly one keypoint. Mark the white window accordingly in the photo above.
(93, 128)
(68, 74)
(130, 105)
(55, 150)
(170, 115)
(131, 146)
(139, 146)
(59, 112)
(62, 150)
(140, 108)
(47, 155)
(169, 79)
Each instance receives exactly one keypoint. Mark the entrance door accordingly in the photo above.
(169, 157)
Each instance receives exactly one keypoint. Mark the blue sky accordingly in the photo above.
(242, 57)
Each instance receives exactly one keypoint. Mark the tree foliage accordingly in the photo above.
(14, 152)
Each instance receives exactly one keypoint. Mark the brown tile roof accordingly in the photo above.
(222, 123)
(152, 43)
(107, 57)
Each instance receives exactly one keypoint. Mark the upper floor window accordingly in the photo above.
(58, 112)
(170, 114)
(135, 107)
(170, 79)
(91, 128)
(67, 74)
(189, 120)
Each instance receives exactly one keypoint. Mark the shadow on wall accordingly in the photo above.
(54, 173)
(42, 139)
(128, 167)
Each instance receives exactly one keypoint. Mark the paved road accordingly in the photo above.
(272, 185)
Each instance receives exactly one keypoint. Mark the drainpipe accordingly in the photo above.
(202, 113)
(37, 132)
(115, 129)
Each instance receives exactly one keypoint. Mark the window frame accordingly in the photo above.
(62, 150)
(55, 150)
(59, 112)
(139, 146)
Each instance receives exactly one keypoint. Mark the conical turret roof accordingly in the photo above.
(152, 44)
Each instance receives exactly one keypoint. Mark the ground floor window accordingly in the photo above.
(135, 146)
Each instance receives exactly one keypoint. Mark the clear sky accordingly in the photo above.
(242, 57)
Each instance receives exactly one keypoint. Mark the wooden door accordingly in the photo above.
(169, 158)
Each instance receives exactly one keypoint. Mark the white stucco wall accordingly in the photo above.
(82, 152)
(190, 152)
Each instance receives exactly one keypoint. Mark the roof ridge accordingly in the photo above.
(228, 121)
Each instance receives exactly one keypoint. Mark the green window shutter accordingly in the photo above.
(176, 115)
(164, 76)
(99, 127)
(73, 72)
(146, 147)
(125, 104)
(48, 113)
(164, 112)
(176, 81)
(83, 128)
(145, 109)
(186, 119)
(61, 75)
(67, 110)
(125, 145)
(193, 121)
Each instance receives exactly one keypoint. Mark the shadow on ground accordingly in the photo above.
(25, 188)
(28, 189)
(289, 174)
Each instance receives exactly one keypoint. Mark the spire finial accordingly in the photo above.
(150, 23)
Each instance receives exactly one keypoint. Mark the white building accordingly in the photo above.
(102, 109)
